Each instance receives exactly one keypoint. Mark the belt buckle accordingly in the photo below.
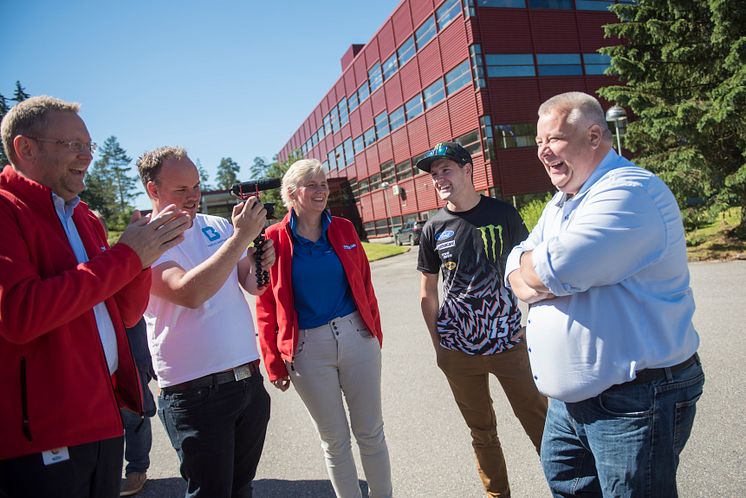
(241, 372)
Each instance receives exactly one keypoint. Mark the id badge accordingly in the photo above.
(56, 455)
(242, 372)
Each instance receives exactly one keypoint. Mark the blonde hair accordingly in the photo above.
(149, 164)
(30, 117)
(296, 175)
(579, 107)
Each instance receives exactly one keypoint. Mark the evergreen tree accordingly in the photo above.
(204, 177)
(4, 108)
(20, 93)
(227, 173)
(258, 168)
(277, 169)
(683, 74)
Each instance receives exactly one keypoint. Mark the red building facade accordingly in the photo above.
(474, 71)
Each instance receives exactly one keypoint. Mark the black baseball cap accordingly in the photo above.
(444, 150)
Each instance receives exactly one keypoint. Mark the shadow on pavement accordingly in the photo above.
(174, 487)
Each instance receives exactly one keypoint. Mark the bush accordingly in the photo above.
(531, 211)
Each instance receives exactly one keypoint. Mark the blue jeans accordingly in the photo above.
(138, 437)
(624, 442)
(218, 433)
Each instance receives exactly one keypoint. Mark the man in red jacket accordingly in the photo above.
(65, 299)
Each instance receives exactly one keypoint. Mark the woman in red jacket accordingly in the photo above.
(320, 329)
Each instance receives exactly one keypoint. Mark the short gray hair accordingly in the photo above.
(578, 106)
(29, 118)
(296, 175)
(149, 164)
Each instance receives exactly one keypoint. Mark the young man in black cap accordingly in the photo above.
(477, 330)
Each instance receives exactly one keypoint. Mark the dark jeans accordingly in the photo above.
(138, 436)
(93, 471)
(624, 442)
(218, 433)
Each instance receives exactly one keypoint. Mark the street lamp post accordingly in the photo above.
(618, 115)
(385, 186)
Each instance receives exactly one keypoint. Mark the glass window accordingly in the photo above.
(404, 170)
(596, 63)
(559, 64)
(502, 3)
(325, 166)
(550, 4)
(396, 118)
(485, 124)
(414, 107)
(364, 186)
(406, 51)
(369, 136)
(470, 142)
(304, 148)
(375, 181)
(359, 144)
(390, 66)
(600, 5)
(425, 33)
(382, 124)
(434, 94)
(349, 152)
(331, 160)
(363, 92)
(343, 113)
(319, 134)
(313, 140)
(508, 136)
(458, 77)
(327, 124)
(353, 102)
(335, 119)
(375, 76)
(387, 172)
(447, 12)
(339, 153)
(415, 160)
(477, 66)
(510, 65)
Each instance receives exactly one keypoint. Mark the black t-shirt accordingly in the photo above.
(478, 314)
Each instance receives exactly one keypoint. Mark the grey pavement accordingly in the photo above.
(429, 444)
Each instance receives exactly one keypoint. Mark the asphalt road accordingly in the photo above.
(429, 444)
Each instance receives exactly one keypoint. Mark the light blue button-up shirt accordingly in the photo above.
(103, 320)
(614, 254)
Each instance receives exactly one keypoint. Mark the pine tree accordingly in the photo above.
(227, 173)
(20, 93)
(258, 168)
(204, 177)
(683, 74)
(4, 108)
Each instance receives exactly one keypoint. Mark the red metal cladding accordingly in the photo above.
(386, 43)
(521, 171)
(376, 198)
(371, 53)
(453, 46)
(371, 157)
(324, 105)
(427, 197)
(462, 111)
(410, 79)
(504, 31)
(590, 27)
(438, 125)
(554, 32)
(366, 115)
(409, 203)
(417, 132)
(366, 208)
(392, 88)
(356, 128)
(385, 150)
(361, 70)
(513, 100)
(481, 180)
(361, 166)
(400, 145)
(553, 85)
(350, 84)
(420, 10)
(429, 61)
(340, 89)
(378, 101)
(402, 23)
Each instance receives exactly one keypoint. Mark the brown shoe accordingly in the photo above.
(133, 483)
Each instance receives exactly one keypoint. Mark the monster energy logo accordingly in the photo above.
(489, 240)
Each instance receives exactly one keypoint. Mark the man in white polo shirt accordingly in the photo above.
(201, 334)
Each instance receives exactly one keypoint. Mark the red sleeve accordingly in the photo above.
(266, 320)
(368, 282)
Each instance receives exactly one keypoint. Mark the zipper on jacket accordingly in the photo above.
(24, 402)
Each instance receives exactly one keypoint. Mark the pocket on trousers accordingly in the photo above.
(301, 343)
(630, 402)
(684, 420)
(188, 400)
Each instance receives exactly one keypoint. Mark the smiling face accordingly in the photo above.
(55, 165)
(451, 181)
(311, 195)
(178, 184)
(569, 151)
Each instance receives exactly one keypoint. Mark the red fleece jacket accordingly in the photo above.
(275, 311)
(54, 379)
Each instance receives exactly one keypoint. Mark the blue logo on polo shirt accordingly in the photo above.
(447, 234)
(211, 233)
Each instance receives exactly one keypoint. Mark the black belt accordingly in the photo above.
(238, 373)
(649, 374)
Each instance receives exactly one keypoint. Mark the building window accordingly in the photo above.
(382, 125)
(485, 124)
(319, 134)
(596, 63)
(353, 102)
(396, 118)
(339, 154)
(375, 181)
(414, 107)
(406, 51)
(550, 4)
(327, 124)
(458, 77)
(331, 160)
(359, 144)
(425, 33)
(415, 160)
(403, 170)
(343, 113)
(364, 186)
(509, 136)
(510, 65)
(517, 4)
(325, 166)
(559, 64)
(470, 142)
(375, 76)
(304, 148)
(390, 66)
(600, 5)
(349, 152)
(447, 13)
(477, 66)
(434, 94)
(363, 92)
(335, 119)
(369, 136)
(387, 172)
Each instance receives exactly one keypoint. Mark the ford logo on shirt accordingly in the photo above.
(447, 234)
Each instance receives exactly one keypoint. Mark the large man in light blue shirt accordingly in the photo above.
(610, 332)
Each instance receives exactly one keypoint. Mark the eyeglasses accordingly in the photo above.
(72, 145)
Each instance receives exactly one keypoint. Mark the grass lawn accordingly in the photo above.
(380, 251)
(713, 241)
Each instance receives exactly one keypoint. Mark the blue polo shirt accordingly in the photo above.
(320, 286)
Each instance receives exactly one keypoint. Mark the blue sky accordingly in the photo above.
(223, 78)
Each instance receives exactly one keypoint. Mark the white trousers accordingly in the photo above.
(343, 358)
